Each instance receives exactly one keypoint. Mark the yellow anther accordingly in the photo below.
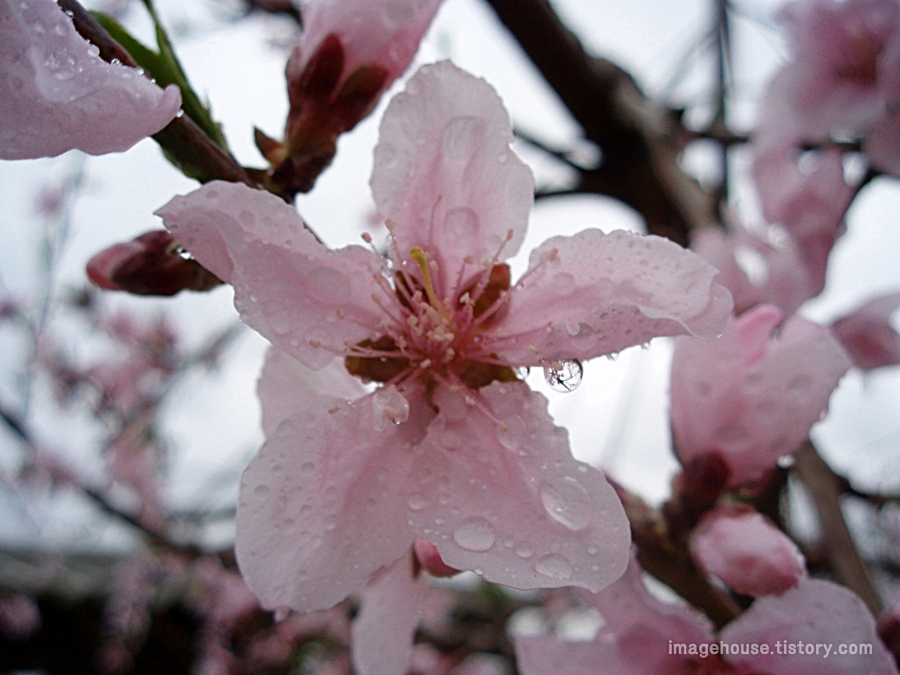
(418, 255)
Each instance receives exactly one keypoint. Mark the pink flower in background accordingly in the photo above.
(867, 333)
(759, 272)
(56, 93)
(753, 394)
(639, 630)
(842, 77)
(747, 553)
(452, 446)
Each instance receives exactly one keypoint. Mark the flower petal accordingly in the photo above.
(513, 505)
(548, 654)
(747, 553)
(815, 613)
(382, 633)
(751, 396)
(303, 297)
(867, 333)
(597, 293)
(445, 175)
(322, 505)
(382, 33)
(57, 94)
(285, 384)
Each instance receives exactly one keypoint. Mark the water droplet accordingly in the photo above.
(461, 223)
(307, 468)
(515, 433)
(261, 491)
(786, 461)
(388, 405)
(522, 372)
(564, 376)
(476, 534)
(524, 550)
(280, 322)
(554, 566)
(567, 502)
(417, 502)
(593, 549)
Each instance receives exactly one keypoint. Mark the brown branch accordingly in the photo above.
(843, 559)
(658, 555)
(636, 136)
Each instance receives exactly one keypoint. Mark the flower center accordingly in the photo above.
(429, 339)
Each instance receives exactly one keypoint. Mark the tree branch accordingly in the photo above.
(825, 489)
(635, 135)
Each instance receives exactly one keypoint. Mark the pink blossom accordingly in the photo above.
(372, 33)
(640, 632)
(753, 394)
(747, 553)
(56, 93)
(785, 274)
(867, 333)
(842, 77)
(348, 55)
(452, 447)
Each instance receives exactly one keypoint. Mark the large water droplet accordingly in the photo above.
(476, 534)
(567, 502)
(564, 376)
(461, 223)
(417, 502)
(554, 566)
(388, 405)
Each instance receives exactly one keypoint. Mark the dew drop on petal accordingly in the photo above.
(564, 376)
(524, 550)
(554, 566)
(567, 502)
(261, 491)
(522, 372)
(417, 502)
(389, 405)
(307, 468)
(476, 534)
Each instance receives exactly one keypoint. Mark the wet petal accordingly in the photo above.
(382, 633)
(383, 33)
(445, 174)
(57, 94)
(513, 505)
(303, 297)
(322, 506)
(752, 395)
(815, 613)
(285, 385)
(867, 333)
(548, 654)
(598, 293)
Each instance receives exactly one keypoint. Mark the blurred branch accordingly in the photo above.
(659, 557)
(843, 559)
(17, 426)
(637, 137)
